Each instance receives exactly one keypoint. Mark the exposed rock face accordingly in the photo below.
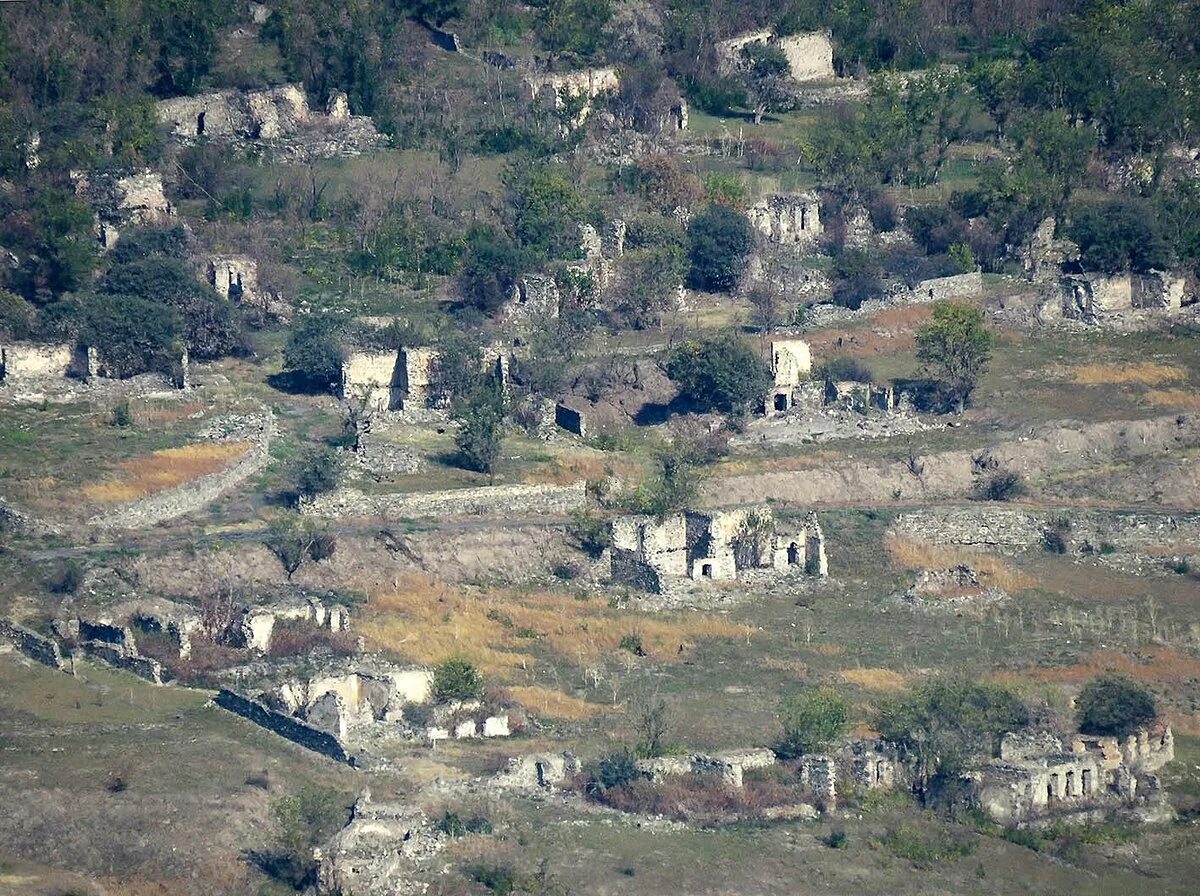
(380, 851)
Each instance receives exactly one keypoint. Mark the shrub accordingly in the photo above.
(122, 415)
(317, 472)
(843, 368)
(1107, 547)
(491, 265)
(568, 572)
(811, 721)
(1002, 486)
(590, 532)
(302, 821)
(65, 577)
(313, 353)
(720, 241)
(925, 851)
(135, 335)
(453, 825)
(836, 839)
(457, 678)
(613, 770)
(480, 429)
(1113, 705)
(632, 642)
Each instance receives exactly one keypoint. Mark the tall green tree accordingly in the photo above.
(720, 241)
(480, 435)
(719, 373)
(956, 346)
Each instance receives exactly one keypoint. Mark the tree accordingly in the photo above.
(767, 76)
(456, 678)
(720, 243)
(458, 371)
(480, 434)
(211, 328)
(811, 721)
(133, 335)
(317, 472)
(303, 821)
(573, 27)
(652, 720)
(492, 262)
(947, 723)
(1114, 706)
(313, 354)
(1121, 235)
(719, 373)
(293, 539)
(546, 210)
(956, 346)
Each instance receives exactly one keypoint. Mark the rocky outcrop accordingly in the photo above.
(36, 647)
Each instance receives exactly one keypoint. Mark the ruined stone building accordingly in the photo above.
(273, 114)
(787, 219)
(404, 380)
(234, 277)
(556, 89)
(809, 55)
(118, 200)
(658, 554)
(791, 364)
(1090, 297)
(1036, 776)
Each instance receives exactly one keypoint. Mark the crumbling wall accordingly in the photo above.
(507, 500)
(958, 286)
(379, 851)
(809, 55)
(36, 647)
(199, 493)
(645, 550)
(556, 88)
(791, 361)
(25, 361)
(372, 378)
(571, 419)
(234, 277)
(302, 733)
(787, 220)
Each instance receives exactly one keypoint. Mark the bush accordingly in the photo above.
(632, 642)
(926, 851)
(135, 335)
(856, 278)
(613, 770)
(313, 353)
(843, 368)
(1118, 236)
(591, 533)
(317, 472)
(1115, 706)
(1002, 486)
(491, 265)
(721, 240)
(453, 825)
(719, 373)
(1054, 538)
(122, 415)
(457, 678)
(65, 577)
(302, 821)
(480, 429)
(836, 839)
(811, 721)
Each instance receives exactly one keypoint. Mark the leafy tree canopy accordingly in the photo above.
(1113, 705)
(719, 373)
(720, 243)
(956, 346)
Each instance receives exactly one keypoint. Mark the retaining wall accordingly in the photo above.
(504, 500)
(284, 725)
(33, 645)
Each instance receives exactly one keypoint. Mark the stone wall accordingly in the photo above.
(791, 362)
(959, 286)
(197, 494)
(556, 88)
(307, 736)
(115, 656)
(29, 361)
(234, 277)
(809, 56)
(787, 220)
(1092, 297)
(571, 419)
(36, 647)
(502, 500)
(1012, 529)
(372, 378)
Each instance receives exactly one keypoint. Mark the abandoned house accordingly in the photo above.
(655, 554)
(405, 380)
(234, 277)
(787, 220)
(791, 364)
(1090, 297)
(809, 55)
(556, 89)
(1036, 777)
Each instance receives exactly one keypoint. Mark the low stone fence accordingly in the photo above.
(502, 500)
(284, 725)
(141, 666)
(197, 494)
(43, 650)
(1017, 529)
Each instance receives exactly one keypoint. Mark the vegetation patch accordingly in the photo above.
(908, 553)
(166, 469)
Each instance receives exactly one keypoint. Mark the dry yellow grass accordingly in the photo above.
(1145, 373)
(165, 469)
(1174, 398)
(426, 621)
(875, 679)
(556, 704)
(907, 553)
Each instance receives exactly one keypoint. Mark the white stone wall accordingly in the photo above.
(370, 377)
(30, 361)
(791, 362)
(809, 56)
(787, 219)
